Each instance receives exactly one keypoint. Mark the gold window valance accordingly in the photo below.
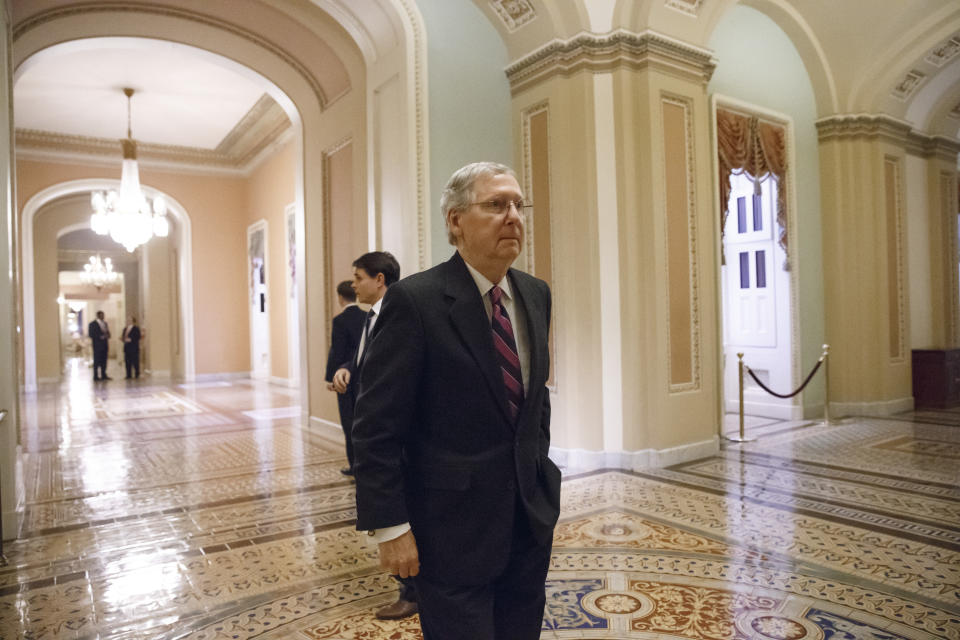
(748, 144)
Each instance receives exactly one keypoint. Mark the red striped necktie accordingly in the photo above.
(506, 348)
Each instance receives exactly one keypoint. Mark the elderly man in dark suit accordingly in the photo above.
(452, 424)
(344, 339)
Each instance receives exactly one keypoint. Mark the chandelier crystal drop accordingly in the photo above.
(99, 272)
(128, 216)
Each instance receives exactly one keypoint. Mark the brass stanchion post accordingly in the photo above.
(741, 437)
(826, 385)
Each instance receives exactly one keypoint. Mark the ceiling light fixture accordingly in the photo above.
(128, 216)
(99, 272)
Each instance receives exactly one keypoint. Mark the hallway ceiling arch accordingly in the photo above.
(181, 99)
(197, 129)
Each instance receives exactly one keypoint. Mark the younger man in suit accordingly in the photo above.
(344, 340)
(373, 274)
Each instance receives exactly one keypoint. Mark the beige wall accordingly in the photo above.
(270, 189)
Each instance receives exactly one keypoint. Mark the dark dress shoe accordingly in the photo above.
(347, 471)
(399, 609)
(106, 378)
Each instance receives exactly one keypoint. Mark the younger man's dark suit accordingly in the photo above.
(344, 340)
(99, 339)
(433, 438)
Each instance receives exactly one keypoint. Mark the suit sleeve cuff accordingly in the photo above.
(388, 533)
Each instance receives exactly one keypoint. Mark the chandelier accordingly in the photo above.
(127, 216)
(99, 272)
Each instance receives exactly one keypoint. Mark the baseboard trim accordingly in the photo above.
(325, 428)
(882, 408)
(767, 410)
(290, 383)
(217, 377)
(586, 460)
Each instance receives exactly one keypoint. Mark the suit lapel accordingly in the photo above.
(470, 320)
(536, 339)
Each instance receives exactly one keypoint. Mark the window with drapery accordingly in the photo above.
(747, 144)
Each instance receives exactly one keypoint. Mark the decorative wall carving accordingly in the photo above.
(955, 112)
(893, 196)
(513, 13)
(909, 85)
(537, 187)
(948, 204)
(680, 239)
(689, 7)
(589, 52)
(945, 52)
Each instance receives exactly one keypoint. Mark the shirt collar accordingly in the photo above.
(376, 306)
(484, 285)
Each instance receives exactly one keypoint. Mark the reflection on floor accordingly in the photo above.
(203, 511)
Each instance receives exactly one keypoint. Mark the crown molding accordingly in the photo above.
(604, 53)
(890, 129)
(240, 151)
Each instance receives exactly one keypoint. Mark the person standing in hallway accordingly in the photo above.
(132, 334)
(344, 340)
(99, 334)
(373, 274)
(452, 424)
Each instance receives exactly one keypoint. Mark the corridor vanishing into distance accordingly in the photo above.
(205, 511)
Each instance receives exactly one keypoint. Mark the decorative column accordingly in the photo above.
(862, 163)
(632, 243)
(944, 205)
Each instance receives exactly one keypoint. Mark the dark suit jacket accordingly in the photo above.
(344, 338)
(434, 443)
(134, 335)
(97, 335)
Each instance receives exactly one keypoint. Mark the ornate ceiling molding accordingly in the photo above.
(689, 7)
(513, 13)
(238, 152)
(890, 129)
(909, 85)
(944, 52)
(598, 53)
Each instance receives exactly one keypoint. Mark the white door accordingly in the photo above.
(259, 314)
(756, 300)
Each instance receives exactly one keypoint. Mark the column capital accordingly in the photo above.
(606, 52)
(867, 126)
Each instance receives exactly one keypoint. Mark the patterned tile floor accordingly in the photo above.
(204, 512)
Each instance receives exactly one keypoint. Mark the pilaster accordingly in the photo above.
(633, 245)
(942, 196)
(866, 306)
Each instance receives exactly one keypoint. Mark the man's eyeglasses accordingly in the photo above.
(501, 207)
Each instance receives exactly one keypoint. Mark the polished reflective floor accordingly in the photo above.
(205, 511)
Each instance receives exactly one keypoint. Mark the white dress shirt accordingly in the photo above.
(373, 320)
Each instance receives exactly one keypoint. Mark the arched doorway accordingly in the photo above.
(184, 268)
(327, 84)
